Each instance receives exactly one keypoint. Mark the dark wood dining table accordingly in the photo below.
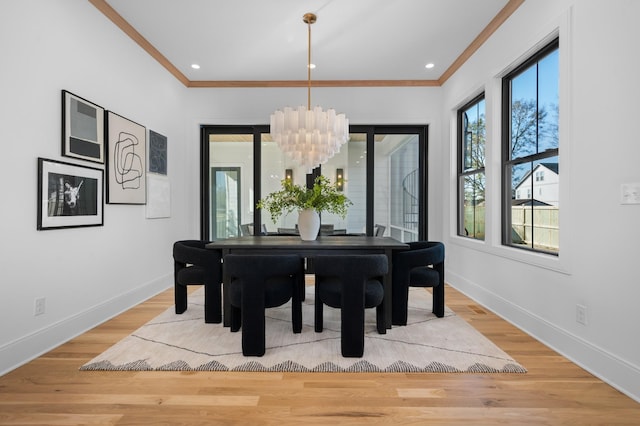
(334, 245)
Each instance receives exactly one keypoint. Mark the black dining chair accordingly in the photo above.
(420, 266)
(258, 282)
(350, 283)
(195, 264)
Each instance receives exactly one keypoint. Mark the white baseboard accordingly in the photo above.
(613, 370)
(29, 347)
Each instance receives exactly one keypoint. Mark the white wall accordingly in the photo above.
(86, 274)
(597, 266)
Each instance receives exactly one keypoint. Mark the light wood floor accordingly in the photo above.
(51, 391)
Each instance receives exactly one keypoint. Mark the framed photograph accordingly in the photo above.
(82, 128)
(69, 195)
(157, 153)
(126, 165)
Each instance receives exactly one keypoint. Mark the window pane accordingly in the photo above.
(396, 193)
(471, 190)
(548, 101)
(545, 190)
(535, 205)
(350, 164)
(474, 135)
(474, 206)
(231, 186)
(275, 167)
(524, 106)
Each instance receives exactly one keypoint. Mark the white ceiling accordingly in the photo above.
(260, 40)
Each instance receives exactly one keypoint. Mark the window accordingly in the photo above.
(530, 160)
(471, 177)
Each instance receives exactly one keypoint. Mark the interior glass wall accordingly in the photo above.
(382, 170)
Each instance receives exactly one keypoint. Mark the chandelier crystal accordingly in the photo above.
(309, 137)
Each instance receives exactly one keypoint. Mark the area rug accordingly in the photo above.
(185, 342)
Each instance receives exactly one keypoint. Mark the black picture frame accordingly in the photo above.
(82, 128)
(157, 153)
(69, 195)
(126, 160)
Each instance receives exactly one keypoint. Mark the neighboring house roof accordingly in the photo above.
(554, 167)
(528, 202)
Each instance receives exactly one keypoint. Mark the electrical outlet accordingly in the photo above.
(40, 306)
(581, 314)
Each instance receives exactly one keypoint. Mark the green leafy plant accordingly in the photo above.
(322, 197)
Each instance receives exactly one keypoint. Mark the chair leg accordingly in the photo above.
(399, 304)
(253, 329)
(382, 328)
(352, 319)
(212, 310)
(180, 296)
(236, 318)
(352, 333)
(438, 300)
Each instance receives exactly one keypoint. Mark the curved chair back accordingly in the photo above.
(258, 282)
(420, 266)
(195, 264)
(351, 283)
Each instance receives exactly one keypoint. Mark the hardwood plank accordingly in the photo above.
(51, 390)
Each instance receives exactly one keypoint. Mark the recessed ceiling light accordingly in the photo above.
(312, 66)
(429, 66)
(195, 66)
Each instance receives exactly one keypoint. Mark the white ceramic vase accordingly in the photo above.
(308, 224)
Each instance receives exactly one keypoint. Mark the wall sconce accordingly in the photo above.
(288, 175)
(340, 179)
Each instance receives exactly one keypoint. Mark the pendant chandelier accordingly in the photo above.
(309, 137)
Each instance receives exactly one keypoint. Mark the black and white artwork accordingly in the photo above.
(69, 195)
(157, 153)
(126, 144)
(82, 128)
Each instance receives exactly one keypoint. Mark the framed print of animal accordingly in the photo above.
(69, 195)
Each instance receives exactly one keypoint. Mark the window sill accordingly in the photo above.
(541, 260)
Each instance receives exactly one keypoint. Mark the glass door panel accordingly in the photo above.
(349, 166)
(397, 189)
(225, 202)
(275, 166)
(230, 184)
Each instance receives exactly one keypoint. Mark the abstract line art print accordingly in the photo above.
(126, 159)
